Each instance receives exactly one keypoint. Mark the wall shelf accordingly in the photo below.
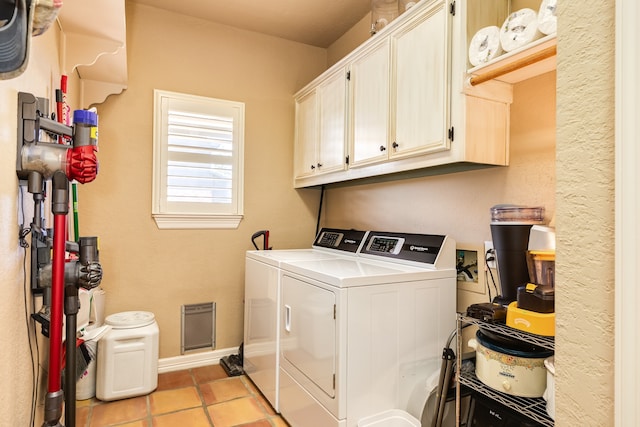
(534, 408)
(534, 59)
(93, 43)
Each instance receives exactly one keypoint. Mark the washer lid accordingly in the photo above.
(130, 319)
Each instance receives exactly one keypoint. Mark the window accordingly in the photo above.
(197, 161)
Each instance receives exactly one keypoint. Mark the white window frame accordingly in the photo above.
(177, 215)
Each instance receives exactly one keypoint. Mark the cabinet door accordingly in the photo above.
(332, 102)
(306, 136)
(369, 78)
(420, 98)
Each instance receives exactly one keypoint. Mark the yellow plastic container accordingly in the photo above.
(531, 321)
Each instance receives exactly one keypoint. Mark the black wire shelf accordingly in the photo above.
(533, 408)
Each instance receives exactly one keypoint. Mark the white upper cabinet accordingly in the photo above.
(332, 98)
(399, 98)
(395, 112)
(320, 136)
(369, 81)
(421, 75)
(306, 135)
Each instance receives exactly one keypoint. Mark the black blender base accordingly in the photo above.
(232, 365)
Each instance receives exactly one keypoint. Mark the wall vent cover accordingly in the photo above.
(198, 327)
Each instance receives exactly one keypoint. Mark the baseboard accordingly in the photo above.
(193, 360)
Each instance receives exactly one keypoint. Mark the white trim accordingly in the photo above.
(184, 221)
(627, 212)
(193, 360)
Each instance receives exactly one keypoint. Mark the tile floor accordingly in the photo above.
(197, 397)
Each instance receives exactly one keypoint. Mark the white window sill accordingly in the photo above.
(184, 221)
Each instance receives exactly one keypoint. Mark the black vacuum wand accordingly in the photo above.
(85, 272)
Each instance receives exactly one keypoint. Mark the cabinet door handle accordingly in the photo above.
(395, 145)
(319, 165)
(313, 167)
(383, 148)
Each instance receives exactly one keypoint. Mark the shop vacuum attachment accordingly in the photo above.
(232, 364)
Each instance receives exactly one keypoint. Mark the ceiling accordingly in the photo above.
(314, 22)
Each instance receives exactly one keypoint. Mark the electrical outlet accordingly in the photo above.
(489, 253)
(470, 268)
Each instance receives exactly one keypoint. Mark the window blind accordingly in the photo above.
(200, 158)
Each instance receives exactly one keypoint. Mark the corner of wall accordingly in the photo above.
(353, 38)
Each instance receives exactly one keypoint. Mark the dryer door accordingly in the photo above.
(308, 333)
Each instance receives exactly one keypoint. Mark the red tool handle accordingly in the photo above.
(57, 302)
(265, 243)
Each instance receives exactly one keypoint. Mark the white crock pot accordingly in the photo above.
(550, 393)
(510, 370)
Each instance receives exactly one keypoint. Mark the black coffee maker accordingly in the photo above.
(510, 229)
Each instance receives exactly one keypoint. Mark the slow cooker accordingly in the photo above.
(510, 366)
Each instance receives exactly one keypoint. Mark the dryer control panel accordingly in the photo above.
(338, 239)
(384, 244)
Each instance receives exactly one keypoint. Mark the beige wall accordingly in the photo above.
(585, 214)
(160, 270)
(349, 41)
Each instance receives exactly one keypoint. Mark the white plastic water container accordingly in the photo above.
(390, 418)
(128, 356)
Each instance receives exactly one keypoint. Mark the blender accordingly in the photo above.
(510, 230)
(539, 293)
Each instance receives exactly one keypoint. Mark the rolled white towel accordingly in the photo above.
(519, 29)
(547, 18)
(485, 45)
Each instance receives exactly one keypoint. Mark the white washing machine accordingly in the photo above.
(262, 299)
(352, 329)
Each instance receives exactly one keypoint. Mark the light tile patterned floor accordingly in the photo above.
(198, 397)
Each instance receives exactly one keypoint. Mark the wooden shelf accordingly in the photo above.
(538, 57)
(94, 44)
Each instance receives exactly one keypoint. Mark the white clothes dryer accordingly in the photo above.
(262, 299)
